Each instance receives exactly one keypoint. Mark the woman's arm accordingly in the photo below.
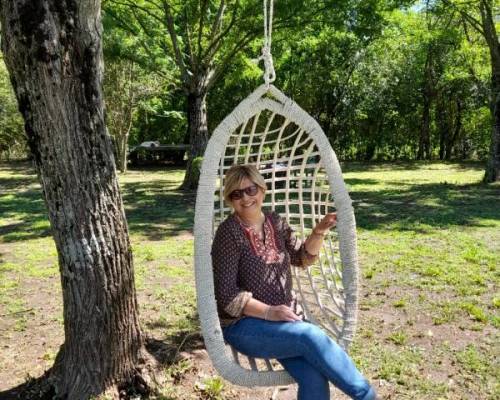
(305, 253)
(258, 309)
(225, 261)
(315, 239)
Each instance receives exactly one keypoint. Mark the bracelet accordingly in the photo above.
(267, 312)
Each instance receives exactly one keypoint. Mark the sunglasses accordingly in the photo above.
(249, 191)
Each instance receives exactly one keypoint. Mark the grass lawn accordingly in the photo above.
(429, 246)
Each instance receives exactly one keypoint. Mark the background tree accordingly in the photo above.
(126, 88)
(395, 84)
(383, 84)
(12, 138)
(479, 14)
(198, 43)
(382, 112)
(121, 105)
(134, 85)
(53, 52)
(205, 37)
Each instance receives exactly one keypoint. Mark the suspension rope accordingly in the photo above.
(269, 73)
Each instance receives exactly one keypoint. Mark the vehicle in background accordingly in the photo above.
(154, 153)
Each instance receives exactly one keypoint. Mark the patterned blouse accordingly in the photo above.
(240, 273)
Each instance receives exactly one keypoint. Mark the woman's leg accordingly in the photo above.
(313, 385)
(267, 339)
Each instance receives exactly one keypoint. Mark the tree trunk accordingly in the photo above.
(456, 127)
(442, 124)
(117, 150)
(424, 144)
(121, 148)
(123, 155)
(198, 136)
(53, 52)
(449, 123)
(492, 172)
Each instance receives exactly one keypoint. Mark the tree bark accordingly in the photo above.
(442, 124)
(127, 112)
(449, 123)
(123, 154)
(53, 52)
(456, 126)
(492, 172)
(198, 136)
(424, 143)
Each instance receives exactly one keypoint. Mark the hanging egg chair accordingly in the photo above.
(304, 183)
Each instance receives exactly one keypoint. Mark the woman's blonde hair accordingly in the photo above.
(236, 174)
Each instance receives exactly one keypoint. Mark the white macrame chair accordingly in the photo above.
(304, 183)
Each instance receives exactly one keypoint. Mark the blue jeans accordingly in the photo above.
(305, 351)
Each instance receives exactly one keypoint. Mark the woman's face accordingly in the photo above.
(248, 206)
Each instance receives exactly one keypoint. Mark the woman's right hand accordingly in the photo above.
(281, 313)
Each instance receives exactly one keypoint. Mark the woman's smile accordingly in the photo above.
(248, 207)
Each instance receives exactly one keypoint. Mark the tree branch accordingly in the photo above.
(201, 24)
(216, 41)
(133, 6)
(142, 24)
(154, 3)
(488, 24)
(218, 19)
(173, 37)
(223, 64)
(476, 24)
(189, 47)
(127, 28)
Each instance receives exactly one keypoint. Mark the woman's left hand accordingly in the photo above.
(328, 221)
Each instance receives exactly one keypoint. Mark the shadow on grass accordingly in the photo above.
(14, 183)
(157, 212)
(157, 209)
(154, 209)
(31, 389)
(16, 176)
(21, 203)
(360, 166)
(412, 207)
(29, 215)
(358, 181)
(167, 350)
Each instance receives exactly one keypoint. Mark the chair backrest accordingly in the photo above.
(304, 183)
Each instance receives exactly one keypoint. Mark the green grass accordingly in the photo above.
(401, 303)
(432, 231)
(398, 338)
(211, 388)
(444, 313)
(475, 312)
(429, 248)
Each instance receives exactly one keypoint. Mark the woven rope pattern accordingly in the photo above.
(304, 183)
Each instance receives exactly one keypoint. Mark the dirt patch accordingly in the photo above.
(30, 338)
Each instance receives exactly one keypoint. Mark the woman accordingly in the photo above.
(251, 254)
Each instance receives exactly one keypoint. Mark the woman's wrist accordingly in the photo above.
(266, 314)
(321, 233)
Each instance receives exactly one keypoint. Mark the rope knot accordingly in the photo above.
(269, 73)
